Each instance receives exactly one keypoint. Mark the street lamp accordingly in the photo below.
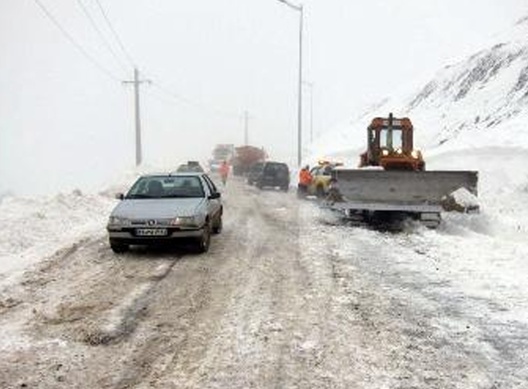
(300, 9)
(311, 86)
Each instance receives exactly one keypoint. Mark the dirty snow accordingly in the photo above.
(34, 228)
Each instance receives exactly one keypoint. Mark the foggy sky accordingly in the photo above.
(66, 124)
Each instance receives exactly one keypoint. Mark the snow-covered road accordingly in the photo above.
(285, 299)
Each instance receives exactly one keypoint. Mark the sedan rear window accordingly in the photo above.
(157, 187)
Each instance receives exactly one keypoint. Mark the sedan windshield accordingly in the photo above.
(157, 187)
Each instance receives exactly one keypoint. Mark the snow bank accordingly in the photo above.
(502, 196)
(35, 228)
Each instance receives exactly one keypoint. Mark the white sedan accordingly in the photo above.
(164, 208)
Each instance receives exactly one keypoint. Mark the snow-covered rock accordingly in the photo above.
(461, 200)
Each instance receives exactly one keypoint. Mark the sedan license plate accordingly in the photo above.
(151, 232)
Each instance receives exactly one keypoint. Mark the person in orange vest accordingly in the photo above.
(224, 172)
(305, 179)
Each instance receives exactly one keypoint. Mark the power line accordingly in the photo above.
(70, 38)
(114, 32)
(157, 85)
(101, 35)
(185, 100)
(161, 97)
(174, 96)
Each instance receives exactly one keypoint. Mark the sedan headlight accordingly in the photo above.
(185, 221)
(385, 152)
(120, 221)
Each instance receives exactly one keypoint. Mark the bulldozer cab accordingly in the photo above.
(390, 134)
(390, 145)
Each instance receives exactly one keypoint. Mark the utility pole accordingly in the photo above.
(137, 82)
(299, 8)
(246, 128)
(299, 103)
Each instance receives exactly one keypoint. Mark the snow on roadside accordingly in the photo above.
(464, 284)
(35, 228)
(503, 191)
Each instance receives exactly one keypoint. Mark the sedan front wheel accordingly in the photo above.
(219, 225)
(205, 240)
(118, 247)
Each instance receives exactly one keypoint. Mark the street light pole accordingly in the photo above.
(300, 9)
(311, 86)
(246, 128)
(299, 102)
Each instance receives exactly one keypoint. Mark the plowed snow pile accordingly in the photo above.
(34, 228)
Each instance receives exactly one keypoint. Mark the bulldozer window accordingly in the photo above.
(397, 139)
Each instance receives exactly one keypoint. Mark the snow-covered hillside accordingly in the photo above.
(481, 101)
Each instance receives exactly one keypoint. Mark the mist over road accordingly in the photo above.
(285, 298)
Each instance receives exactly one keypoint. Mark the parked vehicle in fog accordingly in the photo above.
(271, 175)
(190, 167)
(254, 172)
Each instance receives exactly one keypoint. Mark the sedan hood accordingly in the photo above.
(158, 208)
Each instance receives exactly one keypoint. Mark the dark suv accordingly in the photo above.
(273, 175)
(254, 172)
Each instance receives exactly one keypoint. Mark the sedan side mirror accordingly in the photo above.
(120, 196)
(215, 195)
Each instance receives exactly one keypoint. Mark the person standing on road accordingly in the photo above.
(305, 179)
(224, 172)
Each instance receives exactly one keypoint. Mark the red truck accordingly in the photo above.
(245, 157)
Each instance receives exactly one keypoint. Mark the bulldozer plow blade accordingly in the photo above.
(402, 188)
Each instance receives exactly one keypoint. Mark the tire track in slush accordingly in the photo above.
(122, 320)
(185, 313)
(83, 297)
(241, 288)
(100, 306)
